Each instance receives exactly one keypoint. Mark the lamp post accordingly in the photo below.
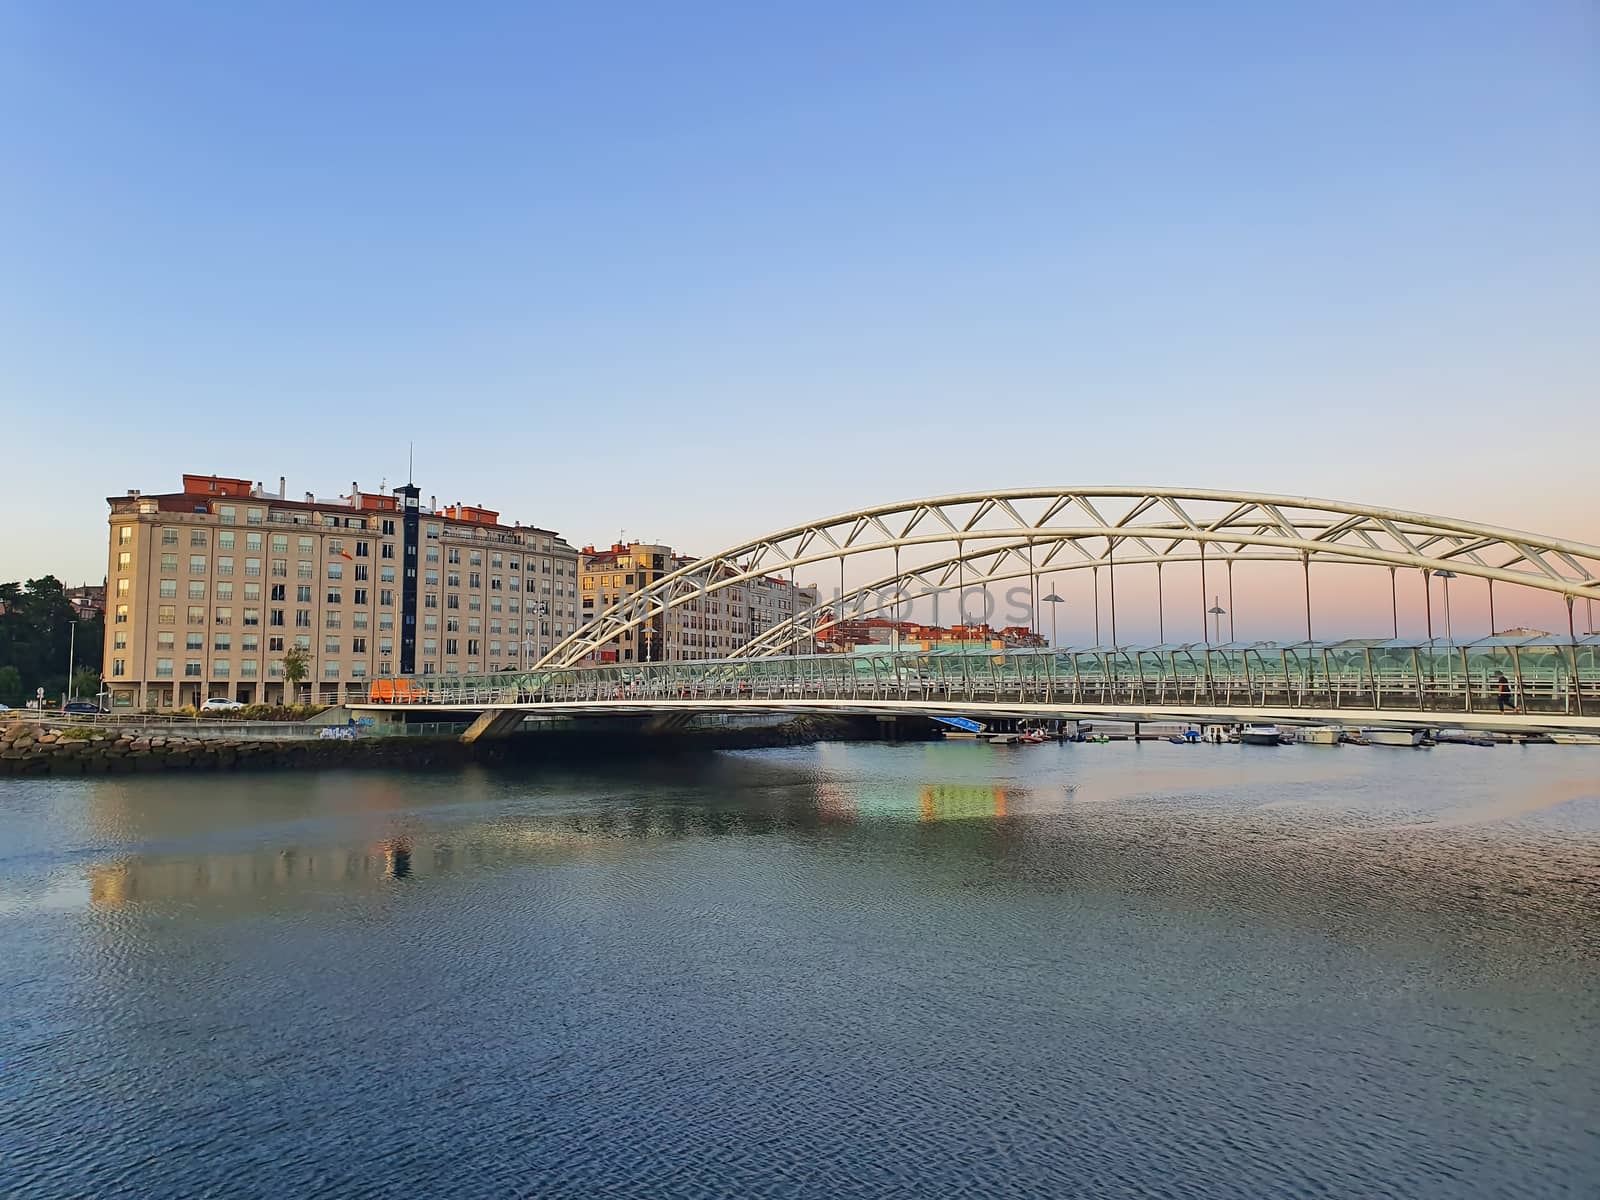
(72, 646)
(1217, 612)
(1054, 601)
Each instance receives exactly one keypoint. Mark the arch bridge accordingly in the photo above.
(1028, 537)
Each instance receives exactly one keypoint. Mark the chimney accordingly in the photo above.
(310, 499)
(355, 494)
(283, 488)
(433, 503)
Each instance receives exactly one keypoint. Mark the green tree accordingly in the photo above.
(10, 686)
(35, 632)
(86, 683)
(296, 666)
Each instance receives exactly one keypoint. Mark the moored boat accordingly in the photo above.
(1395, 737)
(1321, 735)
(1261, 735)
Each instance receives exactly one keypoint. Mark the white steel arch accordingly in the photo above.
(1053, 530)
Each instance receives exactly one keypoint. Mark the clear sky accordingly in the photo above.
(695, 271)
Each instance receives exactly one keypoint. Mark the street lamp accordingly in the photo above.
(1054, 601)
(1447, 576)
(1216, 612)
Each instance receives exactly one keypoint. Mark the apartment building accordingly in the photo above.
(210, 586)
(710, 625)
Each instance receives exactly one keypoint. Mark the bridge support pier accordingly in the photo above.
(495, 723)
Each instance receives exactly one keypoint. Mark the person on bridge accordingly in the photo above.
(1502, 687)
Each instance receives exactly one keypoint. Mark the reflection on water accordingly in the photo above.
(833, 970)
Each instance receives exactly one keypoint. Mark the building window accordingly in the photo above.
(191, 668)
(302, 618)
(163, 668)
(166, 614)
(330, 670)
(360, 596)
(280, 569)
(304, 570)
(274, 643)
(164, 641)
(330, 644)
(252, 543)
(197, 537)
(247, 669)
(386, 597)
(361, 571)
(335, 596)
(225, 540)
(252, 568)
(335, 570)
(252, 616)
(250, 643)
(252, 591)
(222, 641)
(255, 516)
(303, 593)
(362, 548)
(224, 591)
(169, 537)
(304, 546)
(275, 616)
(280, 543)
(197, 589)
(225, 513)
(333, 620)
(224, 616)
(450, 645)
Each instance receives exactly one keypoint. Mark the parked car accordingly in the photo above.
(83, 706)
(220, 704)
(5, 708)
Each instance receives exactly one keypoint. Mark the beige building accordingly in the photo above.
(707, 626)
(209, 587)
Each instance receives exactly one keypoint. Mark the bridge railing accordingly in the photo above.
(1533, 675)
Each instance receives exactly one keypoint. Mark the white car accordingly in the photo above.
(220, 704)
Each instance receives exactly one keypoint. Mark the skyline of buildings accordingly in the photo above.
(207, 588)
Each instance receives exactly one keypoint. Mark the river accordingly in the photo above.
(827, 971)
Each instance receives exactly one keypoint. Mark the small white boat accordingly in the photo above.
(1576, 739)
(1261, 735)
(1321, 735)
(1395, 737)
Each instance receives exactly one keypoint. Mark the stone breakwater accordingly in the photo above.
(38, 749)
(34, 748)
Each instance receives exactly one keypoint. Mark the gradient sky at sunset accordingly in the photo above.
(694, 271)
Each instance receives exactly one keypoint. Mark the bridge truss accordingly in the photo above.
(978, 539)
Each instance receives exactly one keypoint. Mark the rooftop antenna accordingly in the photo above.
(411, 458)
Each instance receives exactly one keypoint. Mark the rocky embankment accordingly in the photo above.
(30, 748)
(40, 748)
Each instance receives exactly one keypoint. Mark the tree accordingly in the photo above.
(36, 630)
(86, 682)
(10, 686)
(296, 666)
